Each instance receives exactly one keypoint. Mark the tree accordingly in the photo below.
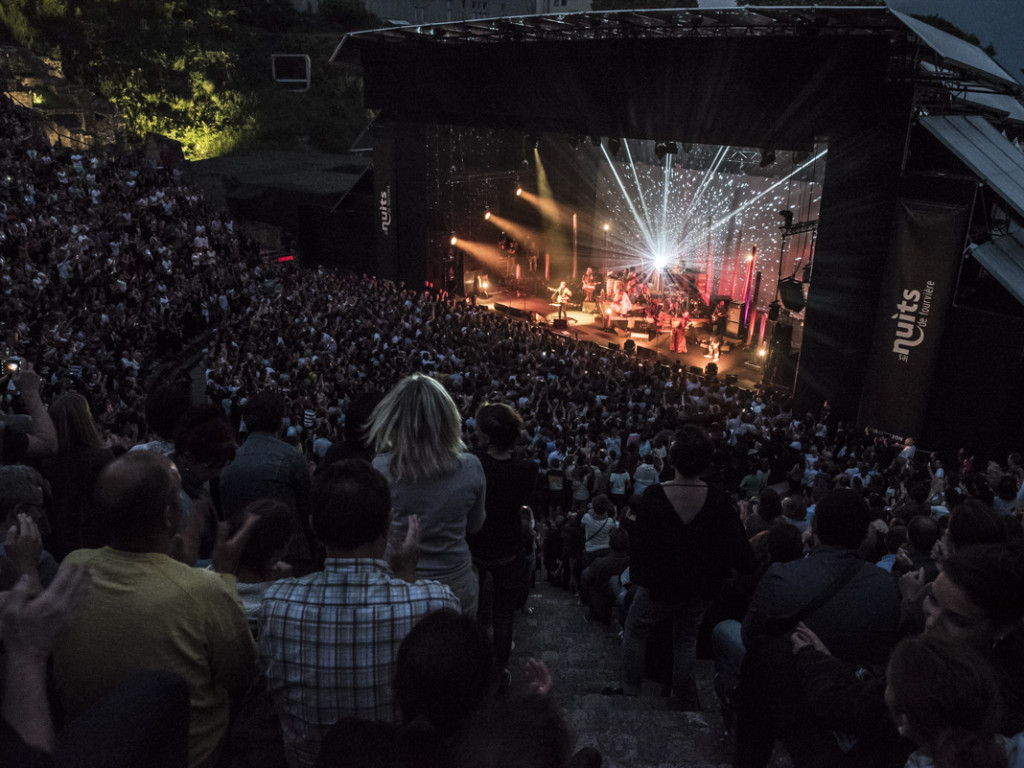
(198, 71)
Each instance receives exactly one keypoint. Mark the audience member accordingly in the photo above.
(266, 467)
(978, 600)
(922, 535)
(945, 698)
(328, 640)
(72, 474)
(416, 429)
(686, 541)
(31, 438)
(598, 524)
(117, 273)
(30, 622)
(599, 584)
(260, 563)
(156, 612)
(22, 516)
(498, 547)
(444, 671)
(851, 605)
(859, 618)
(165, 407)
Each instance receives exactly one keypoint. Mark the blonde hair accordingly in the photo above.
(419, 426)
(73, 423)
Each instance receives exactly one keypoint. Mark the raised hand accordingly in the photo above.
(24, 545)
(227, 552)
(538, 676)
(31, 620)
(405, 551)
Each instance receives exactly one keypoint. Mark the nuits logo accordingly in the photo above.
(385, 210)
(911, 319)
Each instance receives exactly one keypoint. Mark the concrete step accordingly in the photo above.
(630, 732)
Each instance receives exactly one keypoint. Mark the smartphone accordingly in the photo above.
(13, 364)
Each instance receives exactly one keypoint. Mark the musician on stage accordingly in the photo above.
(629, 283)
(679, 337)
(562, 297)
(719, 318)
(589, 284)
(622, 305)
(714, 348)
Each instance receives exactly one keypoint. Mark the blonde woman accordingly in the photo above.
(417, 432)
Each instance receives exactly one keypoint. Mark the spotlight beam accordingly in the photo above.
(485, 252)
(758, 196)
(704, 184)
(629, 200)
(543, 185)
(643, 201)
(551, 210)
(694, 204)
(518, 231)
(663, 251)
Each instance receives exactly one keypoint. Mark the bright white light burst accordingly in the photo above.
(700, 211)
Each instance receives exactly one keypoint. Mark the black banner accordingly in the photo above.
(384, 182)
(917, 292)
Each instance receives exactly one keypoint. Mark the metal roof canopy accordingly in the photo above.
(985, 151)
(316, 175)
(957, 51)
(1003, 257)
(703, 22)
(956, 66)
(976, 96)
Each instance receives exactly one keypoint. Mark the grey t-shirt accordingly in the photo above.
(448, 506)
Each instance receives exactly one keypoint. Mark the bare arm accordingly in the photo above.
(30, 622)
(43, 440)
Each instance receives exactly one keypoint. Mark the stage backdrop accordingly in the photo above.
(710, 219)
(916, 296)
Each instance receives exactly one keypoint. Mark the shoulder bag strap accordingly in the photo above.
(599, 529)
(778, 626)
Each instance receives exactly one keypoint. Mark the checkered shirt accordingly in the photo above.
(328, 643)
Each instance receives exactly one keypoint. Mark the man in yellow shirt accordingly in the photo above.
(148, 611)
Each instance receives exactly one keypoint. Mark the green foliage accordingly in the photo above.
(15, 28)
(198, 71)
(170, 66)
(47, 99)
(21, 23)
(328, 117)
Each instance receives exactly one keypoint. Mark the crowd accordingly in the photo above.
(323, 560)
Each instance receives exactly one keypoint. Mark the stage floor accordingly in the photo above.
(740, 361)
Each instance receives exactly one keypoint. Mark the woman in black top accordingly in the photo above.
(686, 540)
(498, 547)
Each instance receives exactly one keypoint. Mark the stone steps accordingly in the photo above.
(630, 732)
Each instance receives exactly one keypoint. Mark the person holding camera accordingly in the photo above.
(25, 437)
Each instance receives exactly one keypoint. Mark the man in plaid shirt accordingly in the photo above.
(328, 641)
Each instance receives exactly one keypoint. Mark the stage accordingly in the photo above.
(588, 324)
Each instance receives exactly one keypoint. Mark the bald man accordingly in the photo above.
(147, 610)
